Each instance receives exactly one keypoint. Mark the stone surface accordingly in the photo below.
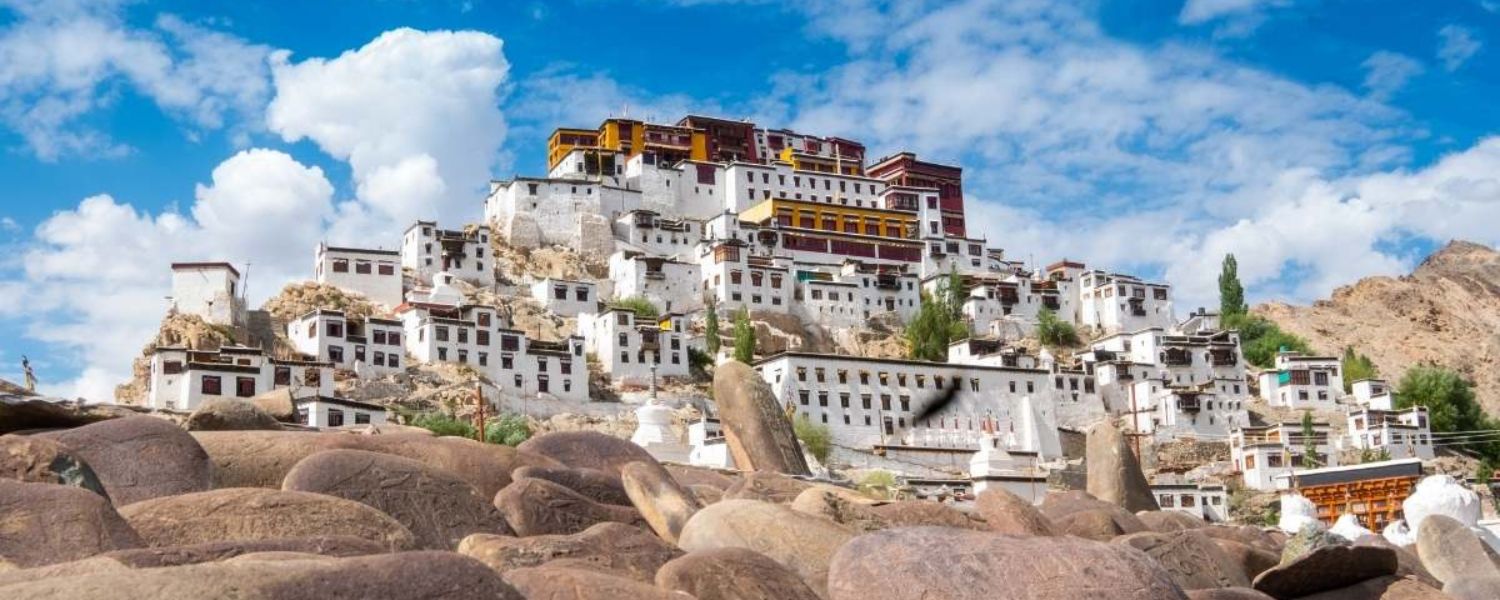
(594, 485)
(1450, 550)
(1251, 560)
(230, 414)
(1326, 568)
(913, 513)
(557, 583)
(540, 507)
(1227, 594)
(24, 413)
(36, 460)
(1306, 541)
(139, 458)
(403, 576)
(436, 506)
(691, 476)
(1005, 512)
(767, 486)
(1385, 588)
(1114, 473)
(1407, 562)
(664, 504)
(587, 450)
(613, 546)
(1165, 521)
(802, 543)
(1056, 505)
(833, 504)
(1473, 588)
(758, 432)
(172, 556)
(732, 574)
(278, 403)
(44, 523)
(240, 514)
(1193, 560)
(87, 566)
(1094, 524)
(922, 563)
(1244, 534)
(706, 494)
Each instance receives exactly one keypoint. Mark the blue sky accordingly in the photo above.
(1319, 141)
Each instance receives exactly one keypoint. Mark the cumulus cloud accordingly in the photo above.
(61, 61)
(1387, 72)
(94, 279)
(1234, 17)
(416, 114)
(1455, 46)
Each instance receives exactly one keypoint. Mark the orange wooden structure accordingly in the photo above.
(1372, 492)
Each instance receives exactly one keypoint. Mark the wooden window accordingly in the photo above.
(212, 385)
(171, 367)
(335, 329)
(244, 387)
(340, 265)
(283, 376)
(394, 339)
(335, 417)
(386, 268)
(362, 267)
(361, 418)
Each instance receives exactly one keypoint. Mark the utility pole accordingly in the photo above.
(479, 399)
(1135, 423)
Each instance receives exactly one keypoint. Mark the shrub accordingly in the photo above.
(1054, 332)
(1260, 339)
(815, 437)
(878, 483)
(642, 307)
(442, 424)
(510, 429)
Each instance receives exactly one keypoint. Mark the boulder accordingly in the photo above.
(230, 414)
(1114, 473)
(87, 566)
(595, 485)
(691, 476)
(1166, 521)
(540, 507)
(612, 546)
(913, 513)
(559, 583)
(802, 543)
(1244, 534)
(1473, 588)
(732, 574)
(1227, 594)
(759, 434)
(1408, 564)
(706, 494)
(1389, 587)
(26, 413)
(44, 523)
(1306, 541)
(241, 514)
(139, 458)
(587, 450)
(36, 460)
(664, 504)
(1326, 568)
(1450, 550)
(1095, 524)
(403, 576)
(436, 506)
(768, 487)
(920, 563)
(1057, 505)
(173, 556)
(1251, 560)
(1193, 560)
(839, 506)
(1005, 512)
(278, 403)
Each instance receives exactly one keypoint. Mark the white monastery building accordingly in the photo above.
(181, 379)
(566, 297)
(210, 290)
(374, 274)
(628, 345)
(671, 285)
(1266, 455)
(327, 411)
(376, 345)
(428, 250)
(1303, 382)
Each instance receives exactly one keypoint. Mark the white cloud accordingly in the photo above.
(416, 114)
(61, 61)
(1456, 45)
(95, 277)
(1387, 72)
(1235, 18)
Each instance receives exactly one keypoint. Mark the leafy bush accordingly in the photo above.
(642, 307)
(1261, 339)
(744, 337)
(938, 322)
(509, 429)
(815, 437)
(879, 483)
(442, 424)
(1357, 367)
(1054, 332)
(1450, 403)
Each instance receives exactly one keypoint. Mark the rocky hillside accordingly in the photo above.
(1446, 312)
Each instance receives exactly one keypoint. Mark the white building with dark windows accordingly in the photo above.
(210, 290)
(1173, 384)
(566, 297)
(649, 232)
(476, 336)
(1373, 393)
(329, 411)
(181, 379)
(672, 285)
(855, 291)
(1401, 433)
(1267, 454)
(1209, 502)
(428, 250)
(374, 274)
(375, 345)
(628, 345)
(733, 279)
(1300, 381)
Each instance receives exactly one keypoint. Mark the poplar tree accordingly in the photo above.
(1231, 293)
(744, 337)
(712, 332)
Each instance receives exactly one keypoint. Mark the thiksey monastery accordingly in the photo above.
(710, 214)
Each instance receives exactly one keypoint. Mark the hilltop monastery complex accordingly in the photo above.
(724, 214)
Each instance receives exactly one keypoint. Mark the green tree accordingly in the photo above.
(509, 429)
(1357, 367)
(1451, 405)
(1231, 293)
(712, 330)
(1310, 458)
(640, 305)
(938, 322)
(1261, 339)
(817, 438)
(744, 337)
(444, 425)
(1054, 332)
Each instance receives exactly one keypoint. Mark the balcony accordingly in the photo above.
(1189, 403)
(655, 275)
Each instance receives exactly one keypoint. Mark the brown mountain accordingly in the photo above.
(1445, 312)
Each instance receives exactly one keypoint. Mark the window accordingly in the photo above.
(385, 269)
(484, 359)
(335, 329)
(865, 400)
(844, 401)
(802, 396)
(336, 354)
(885, 402)
(340, 265)
(481, 337)
(335, 417)
(442, 354)
(442, 334)
(823, 399)
(581, 294)
(394, 339)
(483, 319)
(379, 359)
(171, 367)
(361, 418)
(378, 337)
(359, 353)
(565, 366)
(507, 361)
(362, 267)
(283, 376)
(212, 385)
(542, 382)
(463, 335)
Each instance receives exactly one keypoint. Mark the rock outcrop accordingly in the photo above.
(759, 434)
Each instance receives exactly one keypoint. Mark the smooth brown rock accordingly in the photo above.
(558, 583)
(1450, 551)
(614, 546)
(1473, 588)
(1097, 524)
(540, 507)
(1078, 513)
(230, 414)
(172, 556)
(1005, 512)
(802, 543)
(1227, 594)
(587, 450)
(595, 485)
(913, 513)
(1166, 521)
(403, 576)
(1407, 562)
(436, 506)
(37, 460)
(1252, 561)
(1326, 568)
(1114, 473)
(139, 458)
(1245, 534)
(1193, 560)
(706, 494)
(664, 504)
(768, 487)
(1387, 588)
(922, 563)
(691, 476)
(278, 403)
(758, 432)
(732, 574)
(841, 506)
(29, 413)
(241, 514)
(86, 566)
(44, 523)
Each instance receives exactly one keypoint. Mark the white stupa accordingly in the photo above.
(1297, 513)
(653, 430)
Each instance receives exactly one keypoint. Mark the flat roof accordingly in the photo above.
(361, 250)
(205, 265)
(339, 401)
(893, 361)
